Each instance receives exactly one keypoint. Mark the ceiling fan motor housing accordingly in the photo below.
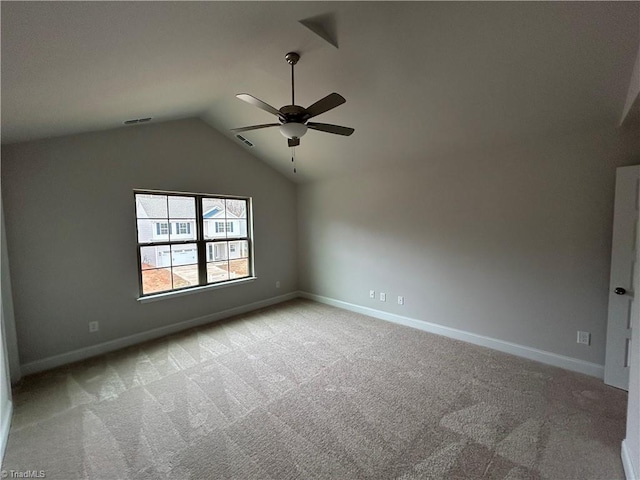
(294, 113)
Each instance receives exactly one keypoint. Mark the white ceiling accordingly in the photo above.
(421, 79)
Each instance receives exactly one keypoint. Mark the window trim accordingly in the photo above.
(154, 297)
(200, 241)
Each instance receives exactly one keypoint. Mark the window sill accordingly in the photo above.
(191, 291)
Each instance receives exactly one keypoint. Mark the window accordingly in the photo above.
(220, 227)
(183, 228)
(162, 228)
(179, 250)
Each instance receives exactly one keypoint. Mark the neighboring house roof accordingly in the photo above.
(218, 212)
(148, 206)
(213, 213)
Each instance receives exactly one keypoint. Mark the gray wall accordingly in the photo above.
(512, 243)
(70, 223)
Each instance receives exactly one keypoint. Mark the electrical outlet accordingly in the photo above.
(584, 338)
(400, 300)
(278, 284)
(372, 294)
(383, 297)
(93, 327)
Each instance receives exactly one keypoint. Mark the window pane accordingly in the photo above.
(146, 231)
(217, 272)
(238, 249)
(236, 208)
(213, 208)
(239, 268)
(151, 206)
(214, 229)
(157, 280)
(237, 228)
(182, 229)
(213, 215)
(184, 254)
(155, 257)
(185, 276)
(217, 251)
(182, 207)
(244, 252)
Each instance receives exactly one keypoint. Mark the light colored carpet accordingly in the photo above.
(303, 390)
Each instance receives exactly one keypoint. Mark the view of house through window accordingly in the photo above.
(190, 240)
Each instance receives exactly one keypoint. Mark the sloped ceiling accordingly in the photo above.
(421, 79)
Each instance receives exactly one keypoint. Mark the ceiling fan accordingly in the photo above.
(294, 119)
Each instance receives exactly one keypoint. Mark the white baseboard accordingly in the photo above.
(4, 429)
(87, 352)
(549, 358)
(568, 363)
(629, 471)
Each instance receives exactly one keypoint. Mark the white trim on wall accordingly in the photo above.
(99, 349)
(568, 363)
(629, 471)
(4, 429)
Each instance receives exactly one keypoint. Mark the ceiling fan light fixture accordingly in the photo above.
(293, 129)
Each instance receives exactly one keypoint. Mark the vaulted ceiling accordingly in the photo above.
(421, 79)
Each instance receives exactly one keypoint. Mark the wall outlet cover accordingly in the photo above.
(584, 338)
(383, 297)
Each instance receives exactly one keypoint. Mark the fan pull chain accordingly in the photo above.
(293, 156)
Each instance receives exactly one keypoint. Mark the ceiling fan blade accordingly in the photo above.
(293, 142)
(327, 127)
(258, 103)
(254, 127)
(325, 104)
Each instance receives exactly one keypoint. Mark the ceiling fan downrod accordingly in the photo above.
(292, 58)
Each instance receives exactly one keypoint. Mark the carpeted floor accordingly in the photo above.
(303, 390)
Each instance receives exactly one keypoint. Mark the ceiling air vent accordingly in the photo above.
(137, 120)
(244, 140)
